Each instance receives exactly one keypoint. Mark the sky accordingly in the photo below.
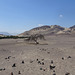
(17, 16)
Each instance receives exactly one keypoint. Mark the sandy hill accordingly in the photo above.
(50, 30)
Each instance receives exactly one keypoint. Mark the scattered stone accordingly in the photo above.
(48, 52)
(42, 59)
(62, 58)
(1, 69)
(23, 62)
(42, 63)
(54, 74)
(19, 72)
(69, 56)
(43, 69)
(9, 57)
(43, 49)
(37, 59)
(13, 57)
(31, 61)
(52, 67)
(6, 58)
(40, 68)
(12, 73)
(67, 73)
(14, 65)
(51, 61)
(53, 70)
(4, 69)
(39, 62)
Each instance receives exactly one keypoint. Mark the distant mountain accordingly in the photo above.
(72, 27)
(50, 30)
(45, 30)
(5, 33)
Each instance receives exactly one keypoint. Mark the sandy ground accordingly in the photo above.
(56, 58)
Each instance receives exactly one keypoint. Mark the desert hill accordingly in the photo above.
(50, 30)
(5, 33)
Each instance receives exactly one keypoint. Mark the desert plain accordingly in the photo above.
(53, 56)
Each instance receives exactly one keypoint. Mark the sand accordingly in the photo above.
(54, 56)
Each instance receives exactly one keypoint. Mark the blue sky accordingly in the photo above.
(17, 16)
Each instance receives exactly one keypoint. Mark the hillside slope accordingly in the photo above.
(50, 30)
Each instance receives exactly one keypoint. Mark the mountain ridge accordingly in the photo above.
(50, 30)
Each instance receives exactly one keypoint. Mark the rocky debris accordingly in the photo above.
(67, 73)
(31, 61)
(51, 61)
(42, 59)
(69, 57)
(37, 59)
(40, 68)
(62, 58)
(19, 72)
(12, 73)
(14, 65)
(48, 52)
(8, 57)
(44, 69)
(54, 74)
(52, 67)
(43, 49)
(53, 70)
(42, 63)
(13, 57)
(2, 69)
(39, 62)
(22, 61)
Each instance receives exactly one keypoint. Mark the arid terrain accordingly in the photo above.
(54, 56)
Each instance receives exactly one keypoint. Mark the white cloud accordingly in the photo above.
(60, 15)
(40, 24)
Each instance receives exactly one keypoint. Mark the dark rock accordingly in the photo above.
(37, 59)
(14, 65)
(42, 63)
(42, 59)
(67, 74)
(53, 70)
(54, 74)
(51, 61)
(22, 62)
(39, 62)
(9, 57)
(4, 69)
(48, 52)
(19, 72)
(43, 69)
(69, 56)
(40, 68)
(52, 67)
(12, 73)
(1, 69)
(31, 61)
(6, 58)
(62, 58)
